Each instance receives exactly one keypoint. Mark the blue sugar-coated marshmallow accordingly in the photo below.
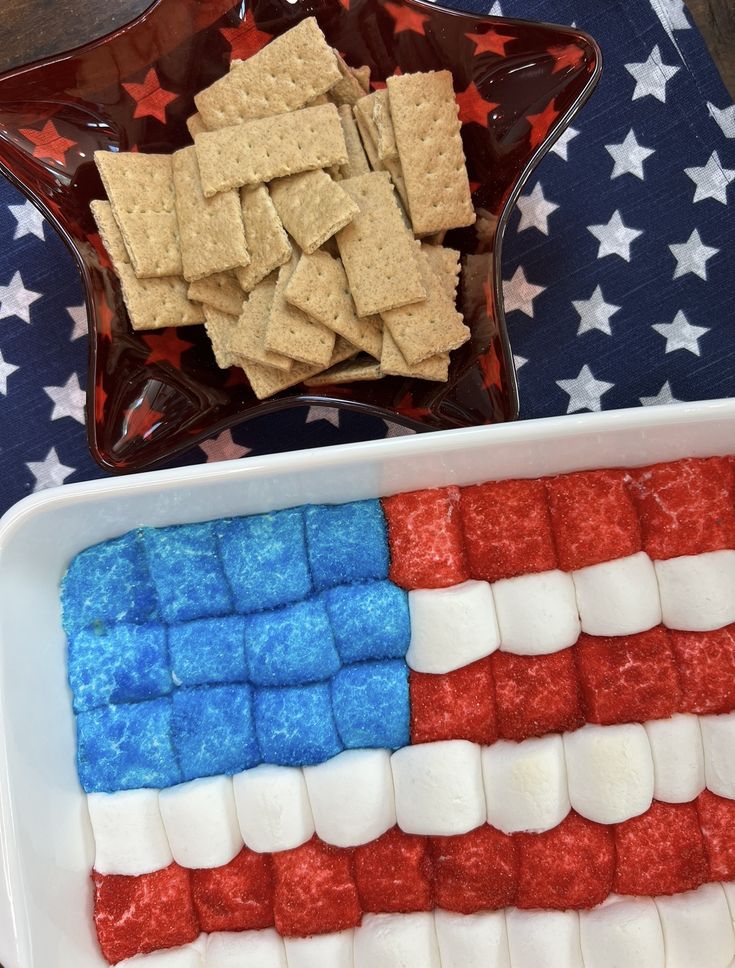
(186, 570)
(118, 663)
(295, 725)
(208, 651)
(346, 542)
(369, 621)
(108, 583)
(264, 557)
(291, 646)
(213, 730)
(126, 747)
(370, 703)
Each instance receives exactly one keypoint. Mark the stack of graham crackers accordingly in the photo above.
(303, 227)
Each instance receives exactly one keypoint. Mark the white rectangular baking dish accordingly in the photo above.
(45, 844)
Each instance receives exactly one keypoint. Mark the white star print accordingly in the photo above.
(5, 370)
(330, 414)
(519, 361)
(594, 313)
(585, 391)
(397, 430)
(29, 219)
(79, 318)
(519, 293)
(15, 299)
(692, 256)
(535, 211)
(664, 396)
(49, 472)
(495, 10)
(223, 447)
(629, 156)
(614, 237)
(725, 117)
(561, 147)
(68, 400)
(671, 14)
(651, 76)
(711, 180)
(681, 335)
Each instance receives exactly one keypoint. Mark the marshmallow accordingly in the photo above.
(190, 956)
(622, 932)
(396, 941)
(319, 951)
(697, 928)
(678, 758)
(544, 939)
(618, 597)
(526, 784)
(438, 788)
(129, 835)
(729, 889)
(352, 797)
(537, 614)
(610, 771)
(472, 940)
(256, 949)
(273, 808)
(201, 822)
(718, 738)
(697, 591)
(451, 627)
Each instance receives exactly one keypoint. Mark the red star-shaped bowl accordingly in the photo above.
(150, 396)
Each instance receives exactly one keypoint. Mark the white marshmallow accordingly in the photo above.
(472, 940)
(537, 614)
(451, 627)
(526, 784)
(201, 822)
(190, 956)
(678, 758)
(718, 738)
(254, 949)
(396, 941)
(729, 889)
(697, 928)
(352, 797)
(610, 771)
(319, 951)
(129, 835)
(618, 597)
(544, 939)
(273, 808)
(438, 788)
(621, 933)
(698, 591)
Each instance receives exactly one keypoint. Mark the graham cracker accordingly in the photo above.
(318, 287)
(267, 380)
(211, 230)
(393, 165)
(378, 254)
(363, 112)
(426, 125)
(267, 240)
(291, 332)
(393, 363)
(151, 303)
(259, 151)
(248, 336)
(195, 124)
(348, 89)
(219, 327)
(357, 162)
(358, 370)
(283, 76)
(312, 207)
(140, 189)
(220, 291)
(385, 140)
(444, 262)
(319, 99)
(363, 76)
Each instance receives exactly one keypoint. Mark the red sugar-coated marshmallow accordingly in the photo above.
(314, 890)
(477, 871)
(455, 705)
(507, 529)
(236, 897)
(706, 663)
(425, 539)
(569, 866)
(394, 874)
(593, 518)
(686, 507)
(536, 694)
(717, 822)
(628, 679)
(660, 852)
(136, 915)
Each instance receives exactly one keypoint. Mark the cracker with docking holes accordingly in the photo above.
(291, 332)
(195, 125)
(267, 240)
(348, 89)
(393, 363)
(220, 291)
(248, 337)
(357, 161)
(312, 207)
(219, 327)
(385, 135)
(267, 380)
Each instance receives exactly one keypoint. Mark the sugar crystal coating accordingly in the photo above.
(477, 871)
(394, 873)
(717, 822)
(213, 730)
(706, 664)
(291, 646)
(456, 705)
(208, 650)
(295, 725)
(370, 621)
(370, 703)
(346, 543)
(235, 897)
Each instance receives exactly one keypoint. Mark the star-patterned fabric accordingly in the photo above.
(618, 263)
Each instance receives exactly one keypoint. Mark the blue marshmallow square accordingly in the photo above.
(369, 621)
(291, 646)
(213, 730)
(346, 543)
(370, 703)
(126, 747)
(208, 651)
(117, 664)
(264, 557)
(295, 725)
